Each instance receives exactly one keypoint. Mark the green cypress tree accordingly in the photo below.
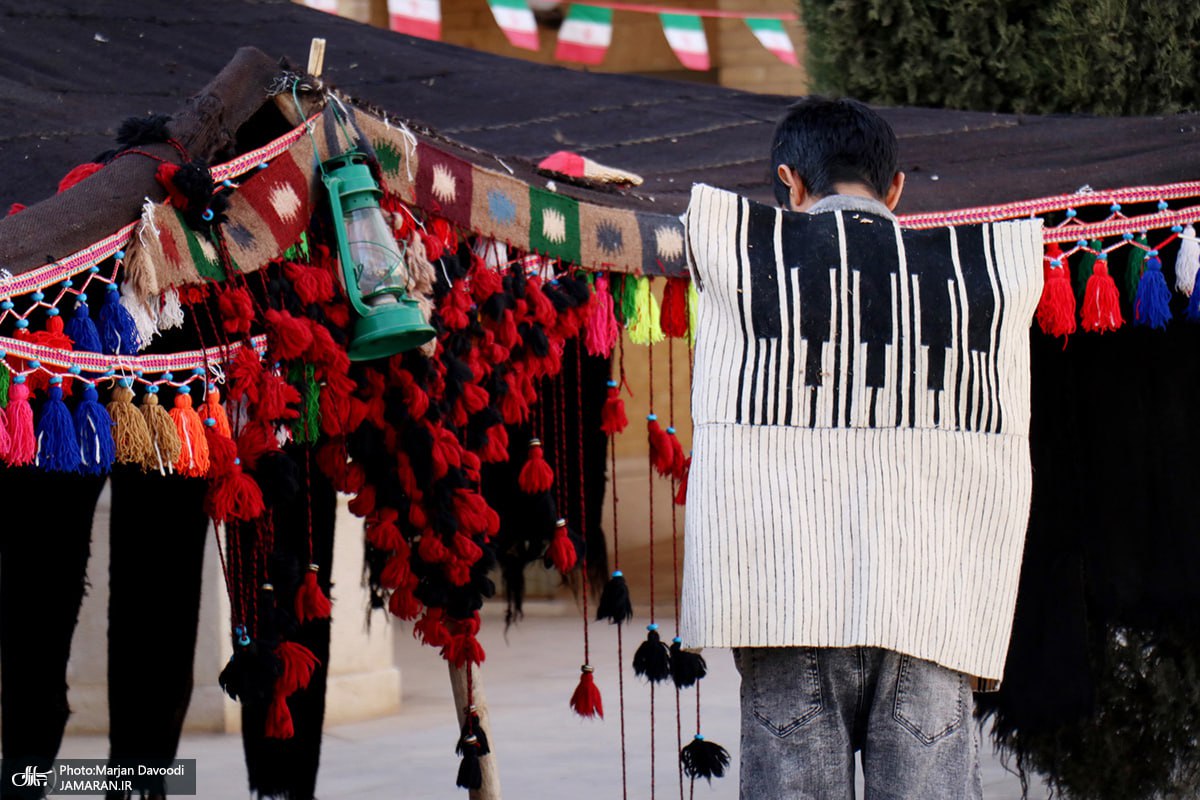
(1115, 57)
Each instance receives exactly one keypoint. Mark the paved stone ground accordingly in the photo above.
(544, 750)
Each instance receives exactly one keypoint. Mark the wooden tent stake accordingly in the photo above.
(490, 789)
(316, 57)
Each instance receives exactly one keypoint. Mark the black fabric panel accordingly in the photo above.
(71, 70)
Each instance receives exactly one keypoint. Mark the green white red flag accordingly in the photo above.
(771, 35)
(585, 35)
(517, 22)
(421, 18)
(685, 34)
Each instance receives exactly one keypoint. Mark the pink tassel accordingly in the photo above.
(602, 328)
(5, 438)
(22, 441)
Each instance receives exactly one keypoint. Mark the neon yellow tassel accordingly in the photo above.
(645, 328)
(693, 300)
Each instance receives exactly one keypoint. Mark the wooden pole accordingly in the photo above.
(490, 788)
(206, 126)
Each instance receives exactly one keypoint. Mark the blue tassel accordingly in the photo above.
(97, 450)
(118, 330)
(57, 445)
(1152, 308)
(1193, 306)
(81, 330)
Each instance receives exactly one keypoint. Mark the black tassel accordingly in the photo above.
(614, 601)
(470, 774)
(652, 660)
(704, 759)
(686, 668)
(250, 675)
(137, 131)
(471, 727)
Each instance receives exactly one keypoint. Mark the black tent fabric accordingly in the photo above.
(1107, 582)
(71, 70)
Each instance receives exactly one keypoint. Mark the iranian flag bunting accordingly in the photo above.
(516, 20)
(685, 34)
(771, 34)
(585, 35)
(422, 18)
(328, 6)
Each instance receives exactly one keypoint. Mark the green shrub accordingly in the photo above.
(1115, 57)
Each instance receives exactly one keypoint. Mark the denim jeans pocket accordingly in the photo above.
(781, 686)
(930, 699)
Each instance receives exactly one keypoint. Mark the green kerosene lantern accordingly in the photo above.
(374, 274)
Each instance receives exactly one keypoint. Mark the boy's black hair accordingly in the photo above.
(833, 141)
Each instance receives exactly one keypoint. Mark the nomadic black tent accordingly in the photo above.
(1104, 649)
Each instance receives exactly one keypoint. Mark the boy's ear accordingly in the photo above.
(894, 191)
(798, 196)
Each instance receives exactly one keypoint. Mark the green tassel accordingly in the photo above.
(5, 380)
(1083, 271)
(298, 251)
(645, 328)
(1133, 272)
(625, 298)
(310, 413)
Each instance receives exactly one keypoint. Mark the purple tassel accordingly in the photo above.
(1152, 308)
(57, 445)
(118, 330)
(96, 447)
(81, 330)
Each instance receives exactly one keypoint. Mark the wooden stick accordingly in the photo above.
(316, 57)
(490, 788)
(206, 126)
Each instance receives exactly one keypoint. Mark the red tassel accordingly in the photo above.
(536, 476)
(612, 415)
(586, 699)
(562, 549)
(311, 284)
(495, 451)
(297, 665)
(23, 448)
(1056, 309)
(236, 308)
(466, 549)
(403, 605)
(382, 532)
(77, 175)
(416, 402)
(311, 602)
(364, 502)
(397, 572)
(662, 456)
(245, 375)
(681, 494)
(288, 337)
(221, 451)
(674, 314)
(234, 496)
(431, 628)
(255, 440)
(432, 549)
(277, 400)
(471, 510)
(677, 456)
(165, 175)
(279, 719)
(1101, 301)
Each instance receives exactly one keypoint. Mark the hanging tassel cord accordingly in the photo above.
(675, 550)
(612, 448)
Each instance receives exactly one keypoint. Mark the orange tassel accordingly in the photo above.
(192, 461)
(212, 409)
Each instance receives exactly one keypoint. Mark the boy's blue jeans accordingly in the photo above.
(806, 711)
